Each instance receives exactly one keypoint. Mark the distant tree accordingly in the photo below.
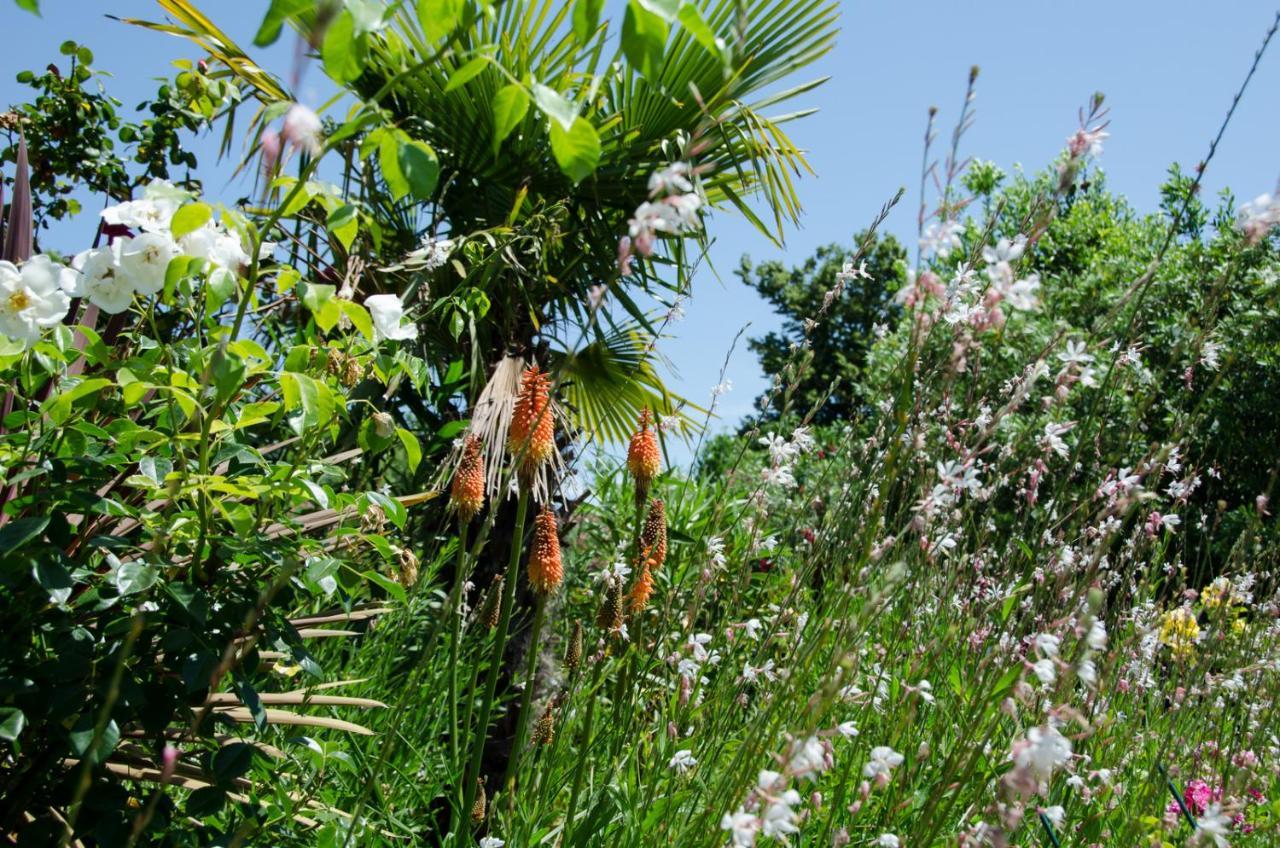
(830, 375)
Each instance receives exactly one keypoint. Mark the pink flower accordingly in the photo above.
(302, 129)
(270, 151)
(1198, 796)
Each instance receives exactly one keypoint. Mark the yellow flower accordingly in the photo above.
(1217, 594)
(1179, 631)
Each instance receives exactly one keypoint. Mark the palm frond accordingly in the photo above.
(607, 382)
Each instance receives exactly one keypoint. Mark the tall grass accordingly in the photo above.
(969, 620)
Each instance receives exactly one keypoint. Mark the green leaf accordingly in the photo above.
(206, 801)
(644, 38)
(58, 408)
(12, 721)
(279, 12)
(344, 224)
(231, 761)
(392, 588)
(555, 107)
(694, 24)
(343, 51)
(359, 317)
(510, 105)
(311, 398)
(190, 218)
(392, 508)
(420, 167)
(665, 9)
(586, 17)
(82, 736)
(133, 577)
(466, 73)
(367, 15)
(31, 6)
(451, 429)
(439, 17)
(389, 160)
(577, 150)
(15, 534)
(412, 450)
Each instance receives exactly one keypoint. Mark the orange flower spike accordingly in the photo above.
(644, 460)
(642, 589)
(532, 429)
(546, 571)
(653, 536)
(467, 494)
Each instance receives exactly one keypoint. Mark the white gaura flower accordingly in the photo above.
(1005, 250)
(942, 238)
(1042, 751)
(808, 758)
(682, 761)
(672, 179)
(492, 842)
(883, 761)
(387, 312)
(302, 129)
(887, 840)
(742, 827)
(1087, 671)
(1212, 828)
(101, 281)
(33, 297)
(847, 729)
(1048, 644)
(686, 208)
(1097, 637)
(1056, 815)
(779, 817)
(145, 259)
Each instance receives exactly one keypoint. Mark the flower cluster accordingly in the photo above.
(136, 264)
(672, 208)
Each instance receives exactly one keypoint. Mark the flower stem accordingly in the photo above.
(522, 718)
(481, 731)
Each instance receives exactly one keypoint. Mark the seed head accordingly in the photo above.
(609, 616)
(653, 536)
(545, 569)
(544, 733)
(467, 494)
(480, 808)
(408, 567)
(573, 654)
(492, 609)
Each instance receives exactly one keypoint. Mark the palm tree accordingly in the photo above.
(679, 83)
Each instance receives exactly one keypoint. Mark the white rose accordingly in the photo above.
(145, 259)
(32, 297)
(101, 281)
(387, 312)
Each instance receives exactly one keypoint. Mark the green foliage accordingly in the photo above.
(77, 136)
(833, 323)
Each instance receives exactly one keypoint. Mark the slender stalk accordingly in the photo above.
(522, 718)
(583, 747)
(455, 625)
(481, 730)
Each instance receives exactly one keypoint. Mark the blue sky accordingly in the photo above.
(1168, 69)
